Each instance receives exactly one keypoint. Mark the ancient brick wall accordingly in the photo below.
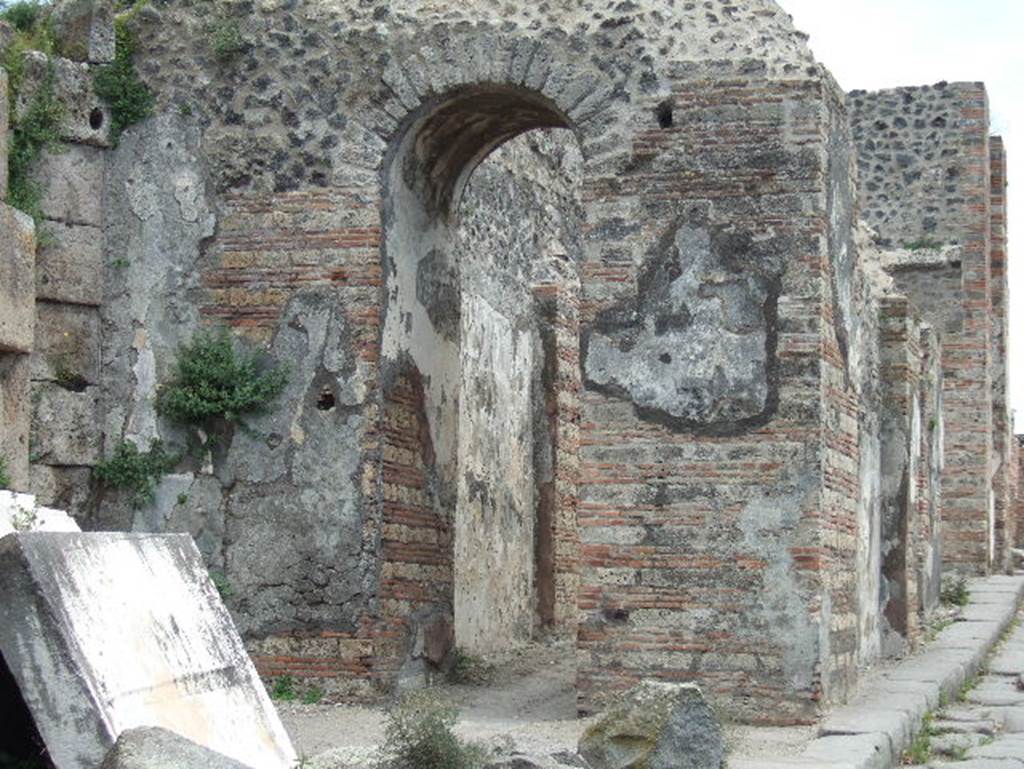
(1002, 427)
(925, 183)
(625, 384)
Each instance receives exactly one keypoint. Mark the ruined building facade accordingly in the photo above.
(614, 321)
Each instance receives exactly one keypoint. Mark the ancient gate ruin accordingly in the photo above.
(584, 333)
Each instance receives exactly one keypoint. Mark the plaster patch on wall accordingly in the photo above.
(696, 347)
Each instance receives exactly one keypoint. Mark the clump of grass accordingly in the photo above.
(221, 583)
(213, 382)
(36, 130)
(313, 695)
(5, 478)
(923, 244)
(418, 735)
(283, 689)
(920, 750)
(226, 40)
(136, 471)
(953, 591)
(469, 669)
(119, 84)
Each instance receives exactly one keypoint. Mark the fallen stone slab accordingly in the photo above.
(656, 726)
(1009, 747)
(155, 748)
(1008, 661)
(20, 512)
(108, 632)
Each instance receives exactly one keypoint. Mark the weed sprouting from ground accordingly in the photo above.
(469, 669)
(954, 591)
(418, 735)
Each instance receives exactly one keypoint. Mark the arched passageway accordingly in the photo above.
(480, 373)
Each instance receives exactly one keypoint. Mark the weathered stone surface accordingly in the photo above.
(17, 280)
(656, 726)
(69, 264)
(107, 632)
(4, 117)
(65, 488)
(148, 747)
(67, 345)
(85, 119)
(65, 425)
(71, 180)
(864, 751)
(696, 346)
(22, 512)
(85, 29)
(16, 417)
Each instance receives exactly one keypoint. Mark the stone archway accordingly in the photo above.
(477, 394)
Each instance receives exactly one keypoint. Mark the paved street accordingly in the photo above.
(984, 729)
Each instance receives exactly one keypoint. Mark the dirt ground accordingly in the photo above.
(529, 705)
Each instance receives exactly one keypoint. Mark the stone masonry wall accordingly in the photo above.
(924, 163)
(578, 334)
(1002, 427)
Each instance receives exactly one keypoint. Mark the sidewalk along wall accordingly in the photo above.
(924, 163)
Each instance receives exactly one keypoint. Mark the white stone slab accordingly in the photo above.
(108, 632)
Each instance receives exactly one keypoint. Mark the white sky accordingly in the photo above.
(874, 44)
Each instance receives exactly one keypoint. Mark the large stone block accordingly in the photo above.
(65, 425)
(85, 29)
(15, 417)
(67, 348)
(22, 512)
(85, 119)
(17, 280)
(153, 748)
(109, 632)
(69, 264)
(71, 179)
(66, 488)
(656, 726)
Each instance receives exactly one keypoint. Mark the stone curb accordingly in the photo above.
(879, 723)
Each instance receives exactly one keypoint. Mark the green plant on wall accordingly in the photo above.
(226, 39)
(215, 383)
(136, 471)
(119, 84)
(36, 130)
(5, 479)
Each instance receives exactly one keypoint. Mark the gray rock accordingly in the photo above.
(15, 416)
(71, 180)
(85, 29)
(656, 726)
(150, 747)
(85, 118)
(65, 428)
(67, 344)
(69, 264)
(17, 281)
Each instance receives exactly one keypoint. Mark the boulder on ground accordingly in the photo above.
(656, 726)
(150, 747)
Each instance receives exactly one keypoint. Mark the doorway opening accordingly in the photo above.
(481, 376)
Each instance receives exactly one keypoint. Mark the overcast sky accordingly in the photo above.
(876, 44)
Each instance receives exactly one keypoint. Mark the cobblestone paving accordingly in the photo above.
(984, 729)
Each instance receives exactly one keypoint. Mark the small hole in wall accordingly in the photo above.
(326, 400)
(665, 116)
(96, 119)
(665, 358)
